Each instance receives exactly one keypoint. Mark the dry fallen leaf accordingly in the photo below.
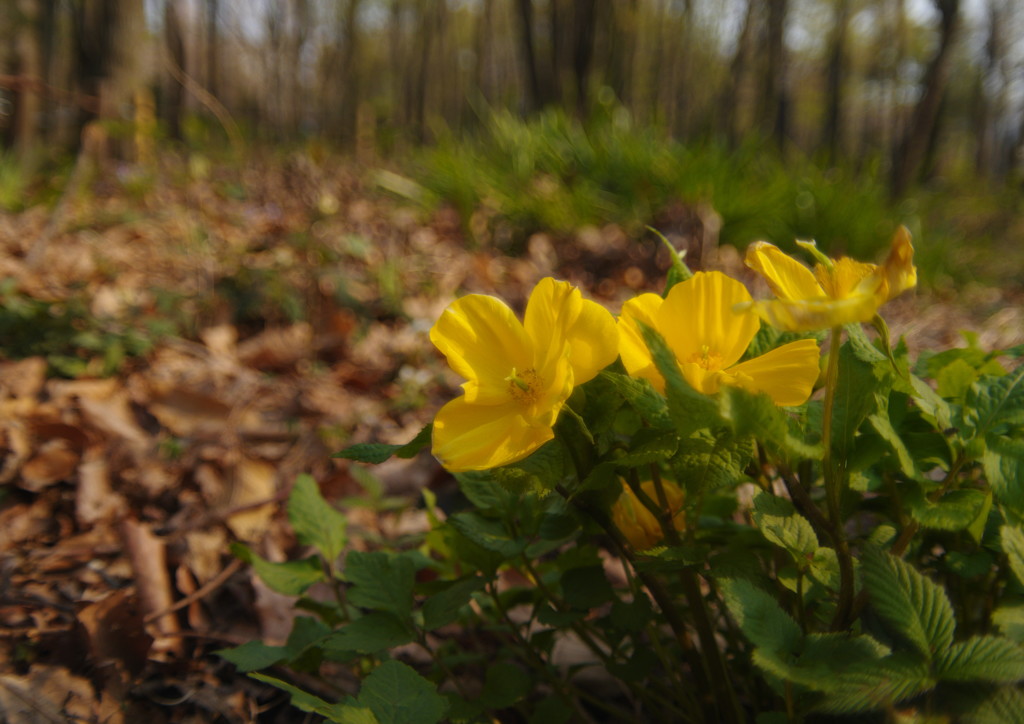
(252, 481)
(149, 562)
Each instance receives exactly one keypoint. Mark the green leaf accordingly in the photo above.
(1012, 540)
(956, 510)
(290, 578)
(855, 399)
(760, 617)
(369, 634)
(587, 587)
(640, 396)
(993, 402)
(825, 567)
(1010, 621)
(1005, 705)
(649, 445)
(758, 417)
(690, 410)
(253, 655)
(544, 468)
(708, 460)
(877, 685)
(915, 607)
(883, 426)
(315, 521)
(381, 581)
(398, 695)
(953, 380)
(991, 659)
(505, 684)
(347, 712)
(487, 533)
(442, 608)
(377, 452)
(1005, 474)
(782, 525)
(931, 404)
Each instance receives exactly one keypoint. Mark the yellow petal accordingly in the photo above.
(900, 272)
(787, 373)
(698, 318)
(480, 437)
(809, 315)
(632, 349)
(557, 314)
(788, 278)
(701, 379)
(849, 277)
(483, 341)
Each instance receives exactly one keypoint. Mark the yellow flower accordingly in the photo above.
(700, 325)
(838, 292)
(637, 523)
(518, 375)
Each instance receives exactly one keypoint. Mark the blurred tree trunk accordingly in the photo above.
(113, 56)
(584, 22)
(910, 154)
(483, 42)
(350, 78)
(426, 30)
(29, 101)
(212, 43)
(991, 90)
(534, 97)
(731, 101)
(832, 134)
(621, 24)
(173, 91)
(775, 89)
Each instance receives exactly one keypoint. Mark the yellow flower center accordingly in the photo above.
(707, 359)
(525, 386)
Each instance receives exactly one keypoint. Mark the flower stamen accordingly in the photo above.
(524, 386)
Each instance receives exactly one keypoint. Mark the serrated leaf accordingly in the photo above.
(915, 607)
(708, 460)
(878, 685)
(824, 567)
(1012, 540)
(689, 409)
(377, 452)
(758, 417)
(649, 445)
(370, 634)
(253, 655)
(782, 525)
(1005, 475)
(381, 581)
(953, 380)
(443, 607)
(487, 533)
(291, 578)
(956, 510)
(544, 468)
(991, 659)
(398, 695)
(314, 520)
(640, 396)
(760, 617)
(1005, 705)
(996, 401)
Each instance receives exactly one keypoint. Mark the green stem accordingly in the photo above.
(725, 696)
(834, 489)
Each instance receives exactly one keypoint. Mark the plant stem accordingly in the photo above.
(725, 696)
(834, 489)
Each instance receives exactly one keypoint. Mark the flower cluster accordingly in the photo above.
(519, 375)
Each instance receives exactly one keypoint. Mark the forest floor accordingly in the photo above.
(176, 348)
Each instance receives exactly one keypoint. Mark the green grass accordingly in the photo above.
(555, 174)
